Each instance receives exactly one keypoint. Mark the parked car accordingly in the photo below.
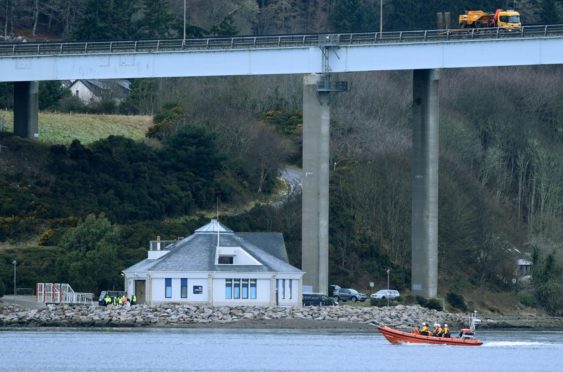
(317, 299)
(348, 294)
(385, 293)
(332, 288)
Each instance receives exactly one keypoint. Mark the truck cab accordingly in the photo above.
(507, 19)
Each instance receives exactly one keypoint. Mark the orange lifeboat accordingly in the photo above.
(399, 337)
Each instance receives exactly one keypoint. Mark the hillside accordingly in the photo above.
(63, 128)
(95, 189)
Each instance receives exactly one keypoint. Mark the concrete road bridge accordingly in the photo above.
(316, 56)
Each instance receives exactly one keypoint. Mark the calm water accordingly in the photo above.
(270, 350)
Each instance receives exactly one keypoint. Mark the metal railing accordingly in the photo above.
(60, 293)
(160, 245)
(26, 49)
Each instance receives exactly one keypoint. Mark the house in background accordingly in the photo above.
(89, 91)
(218, 267)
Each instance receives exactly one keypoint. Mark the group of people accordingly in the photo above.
(437, 332)
(120, 300)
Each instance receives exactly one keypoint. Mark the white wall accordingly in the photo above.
(84, 93)
(292, 291)
(263, 293)
(158, 289)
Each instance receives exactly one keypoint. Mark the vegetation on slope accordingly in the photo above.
(501, 165)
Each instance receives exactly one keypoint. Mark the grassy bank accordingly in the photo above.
(62, 128)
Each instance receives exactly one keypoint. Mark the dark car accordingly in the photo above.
(317, 299)
(332, 288)
(348, 294)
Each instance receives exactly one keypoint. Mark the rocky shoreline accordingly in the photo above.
(172, 315)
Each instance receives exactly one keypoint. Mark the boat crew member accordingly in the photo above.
(438, 331)
(446, 331)
(424, 329)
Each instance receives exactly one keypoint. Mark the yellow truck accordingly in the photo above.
(504, 19)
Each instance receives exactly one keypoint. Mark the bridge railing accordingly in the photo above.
(281, 41)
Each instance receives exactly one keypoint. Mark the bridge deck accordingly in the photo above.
(283, 54)
(280, 41)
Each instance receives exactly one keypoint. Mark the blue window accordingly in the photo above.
(245, 288)
(228, 289)
(252, 289)
(236, 288)
(168, 287)
(184, 287)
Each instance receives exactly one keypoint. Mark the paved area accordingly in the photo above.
(24, 301)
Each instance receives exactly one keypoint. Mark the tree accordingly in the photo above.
(352, 16)
(50, 93)
(90, 262)
(157, 22)
(546, 279)
(106, 20)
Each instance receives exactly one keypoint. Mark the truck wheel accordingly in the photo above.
(463, 24)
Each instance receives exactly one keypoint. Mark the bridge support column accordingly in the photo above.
(316, 140)
(26, 109)
(425, 183)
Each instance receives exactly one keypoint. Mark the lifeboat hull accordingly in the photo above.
(399, 337)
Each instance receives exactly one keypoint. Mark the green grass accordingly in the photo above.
(60, 128)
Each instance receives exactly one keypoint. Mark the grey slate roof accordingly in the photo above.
(197, 252)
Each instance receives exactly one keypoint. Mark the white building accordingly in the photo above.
(89, 91)
(219, 267)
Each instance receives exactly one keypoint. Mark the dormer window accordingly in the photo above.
(226, 260)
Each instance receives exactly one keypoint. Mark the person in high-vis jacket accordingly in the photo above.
(446, 331)
(438, 331)
(424, 329)
(133, 300)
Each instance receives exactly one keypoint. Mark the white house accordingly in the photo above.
(89, 91)
(219, 267)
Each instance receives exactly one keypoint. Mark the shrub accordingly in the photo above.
(380, 302)
(434, 304)
(456, 300)
(527, 299)
(421, 300)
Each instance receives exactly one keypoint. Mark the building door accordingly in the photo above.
(140, 291)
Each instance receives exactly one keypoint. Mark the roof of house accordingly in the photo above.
(197, 252)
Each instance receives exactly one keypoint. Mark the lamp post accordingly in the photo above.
(14, 263)
(388, 270)
(184, 37)
(380, 16)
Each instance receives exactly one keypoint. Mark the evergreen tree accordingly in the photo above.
(353, 16)
(549, 13)
(546, 278)
(225, 28)
(157, 21)
(6, 95)
(106, 20)
(91, 262)
(50, 92)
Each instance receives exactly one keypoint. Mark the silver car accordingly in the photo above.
(385, 293)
